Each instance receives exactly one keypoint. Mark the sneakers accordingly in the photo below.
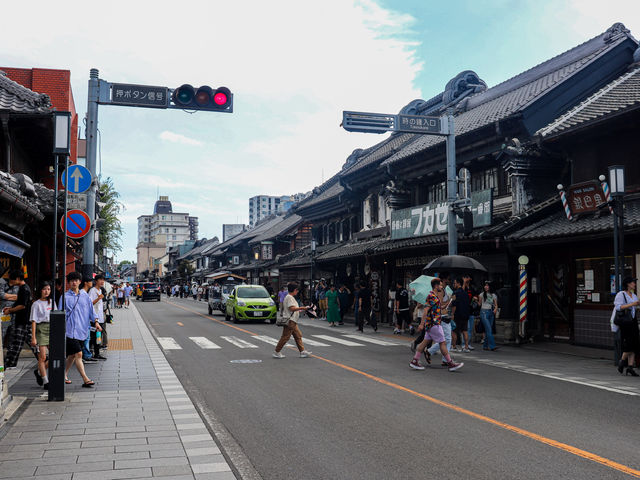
(471, 347)
(304, 354)
(38, 377)
(466, 350)
(427, 356)
(412, 330)
(396, 332)
(453, 366)
(415, 365)
(99, 357)
(456, 349)
(278, 355)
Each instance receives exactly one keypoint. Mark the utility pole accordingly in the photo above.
(88, 245)
(452, 185)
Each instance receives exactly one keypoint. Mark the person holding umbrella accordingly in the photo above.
(431, 319)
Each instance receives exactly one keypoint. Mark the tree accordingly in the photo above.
(110, 231)
(185, 269)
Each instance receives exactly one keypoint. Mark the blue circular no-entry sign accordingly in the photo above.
(79, 179)
(76, 223)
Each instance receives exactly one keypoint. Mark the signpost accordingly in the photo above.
(75, 223)
(367, 122)
(79, 179)
(139, 95)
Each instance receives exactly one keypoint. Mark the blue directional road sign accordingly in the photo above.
(79, 179)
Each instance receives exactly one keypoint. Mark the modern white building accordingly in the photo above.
(164, 224)
(262, 206)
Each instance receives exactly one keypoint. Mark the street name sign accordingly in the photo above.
(139, 95)
(76, 223)
(367, 122)
(79, 179)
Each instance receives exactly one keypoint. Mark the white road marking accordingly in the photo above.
(274, 341)
(238, 342)
(371, 340)
(204, 342)
(313, 343)
(267, 339)
(559, 376)
(168, 343)
(348, 343)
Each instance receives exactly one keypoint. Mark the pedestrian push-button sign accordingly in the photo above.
(76, 223)
(79, 179)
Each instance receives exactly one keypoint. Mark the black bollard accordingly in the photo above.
(57, 355)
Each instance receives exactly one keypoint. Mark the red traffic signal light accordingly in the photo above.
(203, 98)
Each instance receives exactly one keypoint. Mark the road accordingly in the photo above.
(356, 410)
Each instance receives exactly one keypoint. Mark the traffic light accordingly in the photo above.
(467, 222)
(188, 97)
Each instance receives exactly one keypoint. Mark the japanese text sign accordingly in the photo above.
(585, 197)
(419, 124)
(141, 95)
(431, 219)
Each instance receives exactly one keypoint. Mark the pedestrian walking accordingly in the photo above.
(291, 310)
(356, 303)
(474, 309)
(402, 310)
(120, 295)
(445, 308)
(97, 337)
(431, 320)
(87, 356)
(79, 316)
(333, 306)
(461, 312)
(364, 301)
(344, 295)
(199, 293)
(20, 310)
(624, 317)
(194, 291)
(127, 294)
(282, 294)
(321, 292)
(40, 318)
(488, 310)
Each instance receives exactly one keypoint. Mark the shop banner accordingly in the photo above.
(432, 218)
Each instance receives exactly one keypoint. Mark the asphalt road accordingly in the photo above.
(359, 411)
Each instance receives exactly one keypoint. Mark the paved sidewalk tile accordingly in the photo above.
(137, 422)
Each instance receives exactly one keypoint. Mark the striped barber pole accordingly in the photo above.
(565, 204)
(607, 194)
(523, 298)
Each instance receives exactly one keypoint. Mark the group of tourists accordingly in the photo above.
(123, 295)
(87, 312)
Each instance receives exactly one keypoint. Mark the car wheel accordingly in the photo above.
(226, 317)
(272, 321)
(210, 309)
(235, 319)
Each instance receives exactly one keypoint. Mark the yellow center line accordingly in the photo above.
(525, 433)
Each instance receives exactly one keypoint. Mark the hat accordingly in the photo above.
(627, 280)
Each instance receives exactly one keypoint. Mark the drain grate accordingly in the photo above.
(120, 344)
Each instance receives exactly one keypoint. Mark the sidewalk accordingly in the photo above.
(138, 422)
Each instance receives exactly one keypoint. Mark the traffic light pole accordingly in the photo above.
(88, 243)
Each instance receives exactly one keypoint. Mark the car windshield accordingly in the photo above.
(150, 285)
(253, 292)
(228, 289)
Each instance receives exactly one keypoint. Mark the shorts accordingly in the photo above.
(461, 325)
(74, 346)
(435, 333)
(323, 304)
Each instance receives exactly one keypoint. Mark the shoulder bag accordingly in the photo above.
(624, 317)
(282, 320)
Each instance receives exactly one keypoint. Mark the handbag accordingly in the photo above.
(624, 317)
(281, 319)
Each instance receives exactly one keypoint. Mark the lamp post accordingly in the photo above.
(313, 253)
(616, 185)
(57, 354)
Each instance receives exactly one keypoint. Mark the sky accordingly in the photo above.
(293, 66)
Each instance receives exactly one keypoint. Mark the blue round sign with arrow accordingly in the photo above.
(79, 179)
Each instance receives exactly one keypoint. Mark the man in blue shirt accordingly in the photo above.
(80, 316)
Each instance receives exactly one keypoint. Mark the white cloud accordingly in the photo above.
(179, 138)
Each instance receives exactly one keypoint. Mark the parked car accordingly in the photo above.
(150, 291)
(250, 302)
(218, 296)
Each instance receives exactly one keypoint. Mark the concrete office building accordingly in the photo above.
(261, 206)
(166, 226)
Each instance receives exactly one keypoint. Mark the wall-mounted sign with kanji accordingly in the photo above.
(433, 218)
(585, 197)
(139, 95)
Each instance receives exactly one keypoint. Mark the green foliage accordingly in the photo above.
(185, 269)
(125, 262)
(111, 229)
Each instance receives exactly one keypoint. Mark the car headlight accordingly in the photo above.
(241, 303)
(271, 303)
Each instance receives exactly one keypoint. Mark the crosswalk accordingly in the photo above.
(170, 343)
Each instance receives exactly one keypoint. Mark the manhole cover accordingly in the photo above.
(246, 361)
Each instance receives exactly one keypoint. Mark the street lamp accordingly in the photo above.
(61, 146)
(616, 185)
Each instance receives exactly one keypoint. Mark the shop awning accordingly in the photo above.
(12, 245)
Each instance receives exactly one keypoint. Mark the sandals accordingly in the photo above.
(88, 384)
(67, 381)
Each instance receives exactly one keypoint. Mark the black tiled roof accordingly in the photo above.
(17, 99)
(514, 95)
(247, 234)
(279, 228)
(351, 249)
(620, 95)
(10, 186)
(556, 224)
(411, 242)
(302, 256)
(329, 189)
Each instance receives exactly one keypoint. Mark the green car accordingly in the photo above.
(250, 302)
